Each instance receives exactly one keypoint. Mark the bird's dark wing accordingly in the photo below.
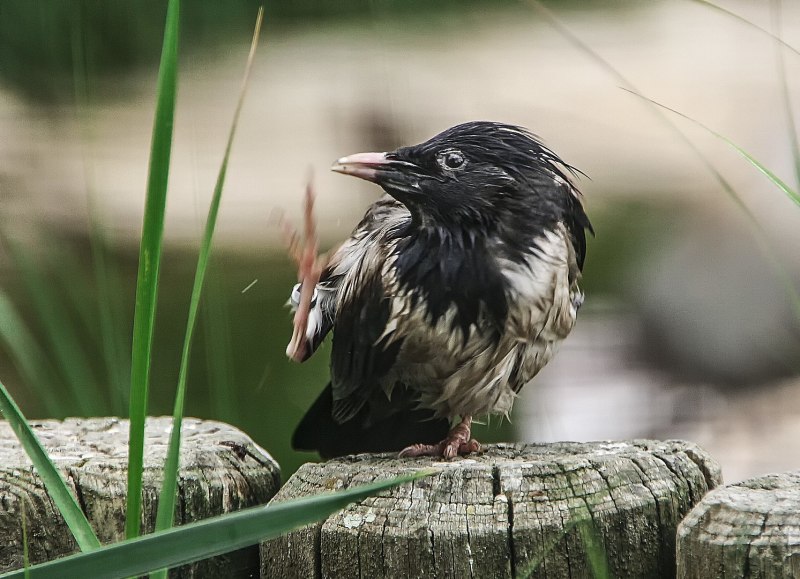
(360, 358)
(347, 257)
(363, 351)
(351, 299)
(319, 431)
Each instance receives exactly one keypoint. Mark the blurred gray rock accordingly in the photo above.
(715, 308)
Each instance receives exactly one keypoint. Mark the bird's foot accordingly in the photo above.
(447, 449)
(457, 443)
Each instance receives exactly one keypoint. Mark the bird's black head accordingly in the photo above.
(474, 173)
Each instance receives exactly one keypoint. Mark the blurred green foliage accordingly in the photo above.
(626, 234)
(239, 372)
(38, 39)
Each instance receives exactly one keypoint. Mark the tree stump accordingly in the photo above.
(516, 510)
(743, 530)
(221, 470)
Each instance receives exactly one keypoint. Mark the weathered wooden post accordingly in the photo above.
(516, 510)
(222, 470)
(745, 530)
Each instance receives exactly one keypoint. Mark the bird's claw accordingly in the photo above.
(457, 443)
(458, 448)
(446, 449)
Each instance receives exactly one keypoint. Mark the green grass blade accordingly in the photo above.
(780, 270)
(791, 126)
(627, 85)
(744, 20)
(97, 332)
(528, 570)
(777, 181)
(107, 304)
(26, 562)
(149, 262)
(205, 538)
(219, 353)
(780, 184)
(780, 45)
(29, 358)
(759, 234)
(116, 352)
(51, 477)
(61, 339)
(166, 503)
(596, 555)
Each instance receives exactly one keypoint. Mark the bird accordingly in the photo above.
(452, 292)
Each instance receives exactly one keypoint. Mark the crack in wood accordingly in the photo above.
(512, 551)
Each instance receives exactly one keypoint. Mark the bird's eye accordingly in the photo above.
(452, 159)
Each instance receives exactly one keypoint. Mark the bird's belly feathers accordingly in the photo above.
(482, 373)
(486, 382)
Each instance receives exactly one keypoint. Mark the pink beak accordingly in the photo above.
(362, 165)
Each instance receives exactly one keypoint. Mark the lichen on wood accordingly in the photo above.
(516, 510)
(221, 470)
(749, 529)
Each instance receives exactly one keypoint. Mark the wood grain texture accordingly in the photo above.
(516, 510)
(745, 530)
(221, 470)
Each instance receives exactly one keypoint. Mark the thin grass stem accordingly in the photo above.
(166, 504)
(149, 263)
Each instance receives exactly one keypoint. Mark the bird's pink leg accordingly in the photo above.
(457, 443)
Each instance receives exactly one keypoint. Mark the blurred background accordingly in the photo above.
(688, 330)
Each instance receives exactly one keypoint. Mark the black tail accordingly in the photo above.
(318, 431)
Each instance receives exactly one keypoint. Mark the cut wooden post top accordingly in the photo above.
(221, 470)
(544, 510)
(745, 529)
(104, 441)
